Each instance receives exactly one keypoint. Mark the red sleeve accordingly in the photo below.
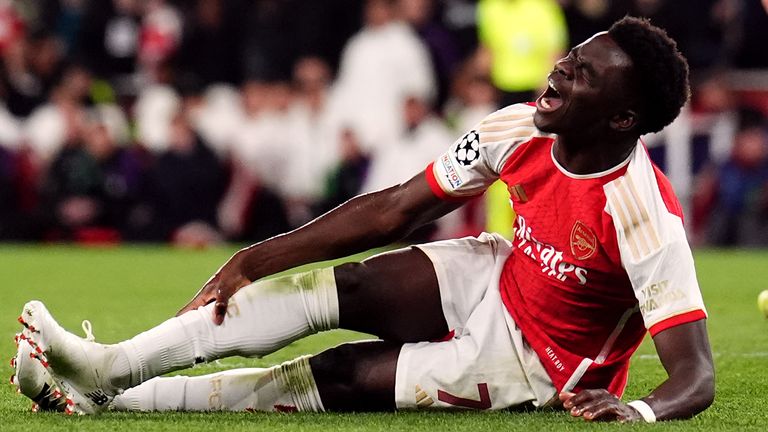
(438, 190)
(677, 320)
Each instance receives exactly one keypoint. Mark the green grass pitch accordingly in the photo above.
(126, 290)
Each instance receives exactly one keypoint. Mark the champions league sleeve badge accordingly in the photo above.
(467, 150)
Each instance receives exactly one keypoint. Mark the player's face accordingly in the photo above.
(586, 89)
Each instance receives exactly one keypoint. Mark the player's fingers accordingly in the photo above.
(565, 398)
(605, 411)
(585, 396)
(202, 298)
(220, 307)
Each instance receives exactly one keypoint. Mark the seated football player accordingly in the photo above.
(548, 318)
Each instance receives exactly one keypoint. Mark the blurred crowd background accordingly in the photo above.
(204, 121)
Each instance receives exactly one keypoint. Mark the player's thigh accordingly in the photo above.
(394, 295)
(357, 376)
(417, 294)
(481, 369)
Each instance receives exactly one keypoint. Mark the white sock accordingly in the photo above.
(261, 318)
(287, 387)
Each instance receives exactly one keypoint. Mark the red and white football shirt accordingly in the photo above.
(598, 259)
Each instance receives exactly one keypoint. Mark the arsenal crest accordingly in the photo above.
(583, 241)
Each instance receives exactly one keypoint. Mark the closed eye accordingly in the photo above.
(586, 68)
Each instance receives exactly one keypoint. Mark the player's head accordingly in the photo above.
(629, 80)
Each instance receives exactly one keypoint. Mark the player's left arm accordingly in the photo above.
(686, 356)
(658, 260)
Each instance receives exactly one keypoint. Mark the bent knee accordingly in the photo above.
(357, 376)
(357, 365)
(335, 365)
(351, 277)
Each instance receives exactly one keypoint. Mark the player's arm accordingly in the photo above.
(364, 222)
(690, 388)
(658, 260)
(379, 218)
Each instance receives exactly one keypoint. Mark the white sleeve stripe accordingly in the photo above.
(634, 221)
(516, 133)
(650, 230)
(507, 125)
(507, 115)
(622, 219)
(638, 218)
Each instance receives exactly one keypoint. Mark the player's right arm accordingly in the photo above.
(364, 222)
(379, 218)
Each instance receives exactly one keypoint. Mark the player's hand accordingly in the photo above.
(598, 405)
(219, 288)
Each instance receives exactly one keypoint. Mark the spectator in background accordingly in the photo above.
(460, 18)
(159, 40)
(381, 65)
(184, 187)
(267, 52)
(696, 25)
(587, 17)
(262, 142)
(423, 140)
(211, 44)
(751, 32)
(524, 38)
(314, 139)
(63, 17)
(153, 112)
(92, 183)
(109, 40)
(443, 48)
(252, 209)
(277, 33)
(216, 115)
(739, 191)
(473, 96)
(346, 180)
(31, 68)
(58, 123)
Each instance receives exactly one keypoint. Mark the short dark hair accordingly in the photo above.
(660, 71)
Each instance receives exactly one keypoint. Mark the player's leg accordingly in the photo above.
(262, 318)
(356, 376)
(406, 281)
(283, 388)
(394, 296)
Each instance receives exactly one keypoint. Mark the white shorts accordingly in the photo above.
(487, 364)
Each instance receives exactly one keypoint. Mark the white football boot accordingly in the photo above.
(33, 380)
(78, 366)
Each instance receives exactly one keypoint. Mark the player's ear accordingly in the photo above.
(624, 121)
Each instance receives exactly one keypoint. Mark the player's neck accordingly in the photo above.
(590, 156)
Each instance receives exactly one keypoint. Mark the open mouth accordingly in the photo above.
(550, 100)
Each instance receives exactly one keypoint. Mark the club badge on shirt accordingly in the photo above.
(583, 241)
